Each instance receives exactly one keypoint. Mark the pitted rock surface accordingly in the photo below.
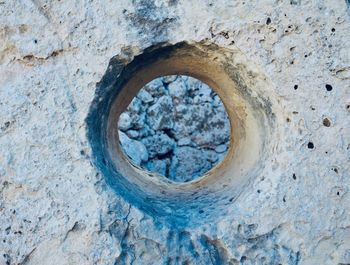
(55, 207)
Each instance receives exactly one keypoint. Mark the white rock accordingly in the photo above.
(184, 141)
(158, 144)
(177, 89)
(221, 148)
(135, 105)
(133, 134)
(124, 121)
(134, 149)
(158, 166)
(187, 164)
(155, 88)
(145, 96)
(159, 115)
(169, 78)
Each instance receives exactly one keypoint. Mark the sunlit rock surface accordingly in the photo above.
(55, 207)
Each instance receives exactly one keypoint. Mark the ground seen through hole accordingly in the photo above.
(176, 126)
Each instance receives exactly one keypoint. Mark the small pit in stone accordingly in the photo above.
(310, 145)
(176, 126)
(326, 122)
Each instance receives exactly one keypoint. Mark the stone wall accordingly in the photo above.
(56, 206)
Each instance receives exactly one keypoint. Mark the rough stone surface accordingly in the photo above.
(55, 208)
(136, 150)
(184, 166)
(181, 112)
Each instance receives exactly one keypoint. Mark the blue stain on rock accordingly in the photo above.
(119, 71)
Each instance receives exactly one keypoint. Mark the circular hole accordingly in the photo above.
(329, 87)
(176, 126)
(310, 145)
(252, 114)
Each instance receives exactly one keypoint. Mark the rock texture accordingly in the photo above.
(182, 125)
(55, 207)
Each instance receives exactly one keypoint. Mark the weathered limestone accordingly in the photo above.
(55, 204)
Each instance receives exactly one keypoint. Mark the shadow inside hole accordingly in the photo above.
(176, 126)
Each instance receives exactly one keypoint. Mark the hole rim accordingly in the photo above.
(259, 108)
